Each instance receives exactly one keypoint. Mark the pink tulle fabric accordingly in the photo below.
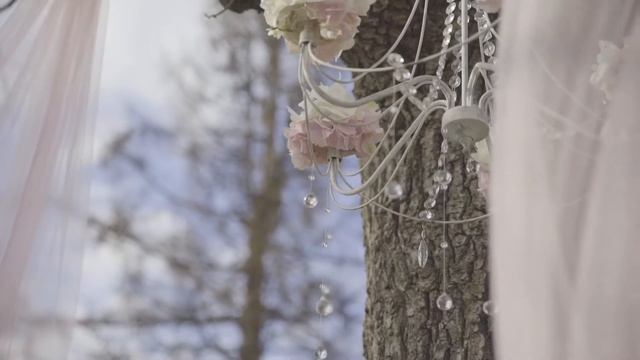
(49, 63)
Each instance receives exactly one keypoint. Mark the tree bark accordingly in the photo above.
(402, 320)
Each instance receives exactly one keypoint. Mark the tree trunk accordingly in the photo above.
(265, 216)
(402, 319)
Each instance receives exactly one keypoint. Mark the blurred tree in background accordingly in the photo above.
(221, 261)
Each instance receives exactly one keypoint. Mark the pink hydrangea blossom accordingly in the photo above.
(348, 132)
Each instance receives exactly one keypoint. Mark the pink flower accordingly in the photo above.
(490, 6)
(348, 132)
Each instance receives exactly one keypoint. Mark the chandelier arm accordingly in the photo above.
(411, 131)
(465, 51)
(419, 61)
(419, 80)
(341, 121)
(391, 49)
(479, 69)
(336, 168)
(381, 142)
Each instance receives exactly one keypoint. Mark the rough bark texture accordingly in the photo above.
(402, 320)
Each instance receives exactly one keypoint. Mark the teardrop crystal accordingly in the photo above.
(324, 307)
(444, 302)
(423, 254)
(472, 166)
(310, 201)
(425, 215)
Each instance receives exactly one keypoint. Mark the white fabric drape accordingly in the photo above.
(49, 61)
(565, 189)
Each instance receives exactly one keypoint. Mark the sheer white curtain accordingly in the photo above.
(49, 63)
(566, 183)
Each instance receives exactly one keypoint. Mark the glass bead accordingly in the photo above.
(442, 177)
(393, 109)
(395, 59)
(489, 48)
(455, 81)
(489, 308)
(321, 353)
(394, 190)
(310, 201)
(446, 41)
(423, 254)
(487, 36)
(324, 289)
(449, 19)
(444, 147)
(430, 203)
(451, 8)
(472, 166)
(439, 73)
(423, 234)
(411, 90)
(442, 159)
(328, 236)
(327, 210)
(434, 191)
(479, 15)
(425, 215)
(311, 177)
(456, 66)
(444, 302)
(402, 74)
(447, 30)
(444, 245)
(458, 35)
(324, 307)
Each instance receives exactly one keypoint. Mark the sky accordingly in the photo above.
(143, 39)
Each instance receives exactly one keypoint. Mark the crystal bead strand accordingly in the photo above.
(446, 39)
(487, 45)
(324, 306)
(310, 200)
(442, 177)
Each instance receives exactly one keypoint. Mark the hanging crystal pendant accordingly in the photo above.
(444, 302)
(489, 48)
(489, 308)
(310, 201)
(430, 203)
(395, 59)
(442, 177)
(394, 190)
(423, 253)
(321, 353)
(425, 215)
(324, 307)
(472, 166)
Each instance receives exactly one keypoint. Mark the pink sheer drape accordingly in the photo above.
(565, 189)
(49, 61)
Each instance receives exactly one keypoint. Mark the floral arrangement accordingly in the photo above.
(333, 23)
(333, 131)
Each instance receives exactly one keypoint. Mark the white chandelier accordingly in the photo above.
(333, 124)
